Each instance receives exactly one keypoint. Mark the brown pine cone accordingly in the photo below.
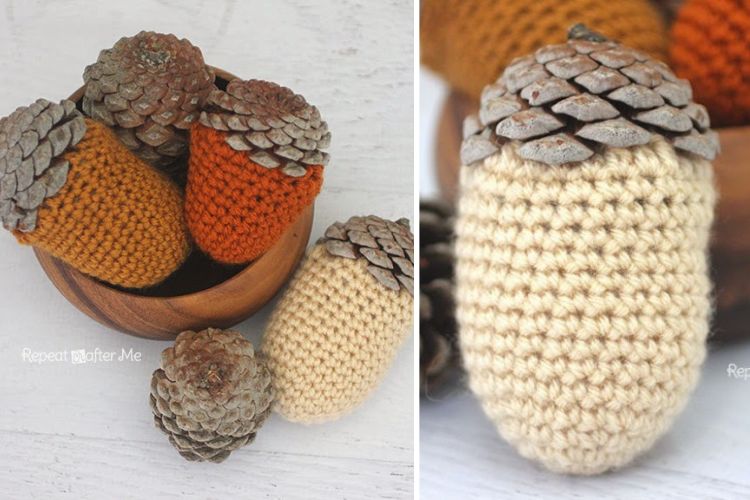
(438, 348)
(149, 88)
(211, 394)
(566, 102)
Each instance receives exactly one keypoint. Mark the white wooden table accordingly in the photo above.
(706, 455)
(85, 431)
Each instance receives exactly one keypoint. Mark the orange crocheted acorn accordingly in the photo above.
(235, 208)
(255, 165)
(469, 42)
(711, 48)
(72, 189)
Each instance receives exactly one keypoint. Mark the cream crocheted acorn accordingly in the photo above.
(338, 326)
(582, 282)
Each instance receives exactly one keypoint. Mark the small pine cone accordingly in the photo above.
(338, 326)
(211, 394)
(711, 48)
(469, 42)
(69, 187)
(262, 143)
(582, 288)
(150, 89)
(438, 347)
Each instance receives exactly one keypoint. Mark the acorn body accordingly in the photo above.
(69, 187)
(235, 208)
(255, 164)
(337, 329)
(583, 299)
(116, 218)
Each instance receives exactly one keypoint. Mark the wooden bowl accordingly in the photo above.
(201, 294)
(730, 245)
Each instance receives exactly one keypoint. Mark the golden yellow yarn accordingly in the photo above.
(116, 218)
(469, 42)
(332, 337)
(583, 298)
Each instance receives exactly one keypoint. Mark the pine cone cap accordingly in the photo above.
(566, 102)
(438, 349)
(32, 140)
(211, 394)
(387, 246)
(276, 127)
(150, 89)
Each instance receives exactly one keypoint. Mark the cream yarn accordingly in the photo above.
(332, 337)
(583, 298)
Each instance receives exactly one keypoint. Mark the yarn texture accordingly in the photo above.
(332, 337)
(235, 208)
(583, 298)
(116, 218)
(711, 48)
(469, 42)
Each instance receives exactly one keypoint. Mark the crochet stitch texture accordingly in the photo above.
(583, 298)
(235, 208)
(469, 42)
(116, 218)
(711, 48)
(332, 337)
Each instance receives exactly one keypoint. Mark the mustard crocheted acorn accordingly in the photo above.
(69, 187)
(469, 42)
(337, 328)
(583, 224)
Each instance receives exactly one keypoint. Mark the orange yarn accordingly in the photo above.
(236, 209)
(711, 48)
(469, 42)
(116, 218)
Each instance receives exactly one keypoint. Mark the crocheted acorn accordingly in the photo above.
(711, 48)
(338, 326)
(255, 164)
(582, 275)
(469, 42)
(211, 394)
(69, 187)
(149, 88)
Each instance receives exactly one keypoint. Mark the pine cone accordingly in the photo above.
(262, 143)
(337, 328)
(568, 101)
(211, 394)
(69, 187)
(150, 89)
(275, 126)
(438, 349)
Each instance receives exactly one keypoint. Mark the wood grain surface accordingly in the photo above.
(85, 430)
(730, 244)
